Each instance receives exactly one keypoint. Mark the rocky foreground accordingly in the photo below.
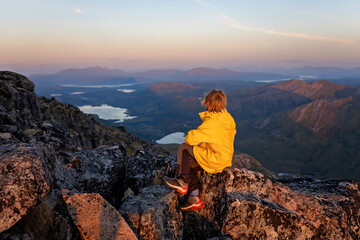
(65, 176)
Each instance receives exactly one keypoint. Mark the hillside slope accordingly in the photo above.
(322, 89)
(317, 137)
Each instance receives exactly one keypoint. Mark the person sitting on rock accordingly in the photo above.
(210, 147)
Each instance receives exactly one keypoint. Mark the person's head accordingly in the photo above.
(215, 101)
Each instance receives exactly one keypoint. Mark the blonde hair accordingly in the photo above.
(215, 101)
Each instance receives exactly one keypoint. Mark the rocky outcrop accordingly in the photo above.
(26, 168)
(95, 217)
(242, 204)
(153, 214)
(17, 92)
(86, 130)
(100, 170)
(19, 106)
(146, 169)
(24, 180)
(27, 118)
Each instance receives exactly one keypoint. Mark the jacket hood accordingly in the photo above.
(223, 118)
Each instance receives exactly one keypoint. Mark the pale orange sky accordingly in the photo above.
(50, 36)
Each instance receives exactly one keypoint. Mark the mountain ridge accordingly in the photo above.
(322, 116)
(171, 87)
(321, 89)
(96, 73)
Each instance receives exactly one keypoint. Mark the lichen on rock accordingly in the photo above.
(242, 204)
(95, 217)
(24, 180)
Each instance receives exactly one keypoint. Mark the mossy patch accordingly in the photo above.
(30, 132)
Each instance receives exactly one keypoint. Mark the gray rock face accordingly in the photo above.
(17, 80)
(27, 172)
(100, 170)
(37, 169)
(146, 169)
(17, 92)
(242, 204)
(86, 131)
(24, 180)
(15, 233)
(19, 105)
(153, 214)
(28, 118)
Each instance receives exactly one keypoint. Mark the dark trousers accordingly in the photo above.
(187, 167)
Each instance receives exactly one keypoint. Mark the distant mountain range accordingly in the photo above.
(93, 75)
(320, 72)
(103, 75)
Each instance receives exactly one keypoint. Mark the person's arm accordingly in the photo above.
(201, 134)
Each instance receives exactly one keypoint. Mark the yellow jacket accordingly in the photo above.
(213, 141)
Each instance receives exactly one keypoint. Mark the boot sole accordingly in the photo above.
(193, 208)
(178, 189)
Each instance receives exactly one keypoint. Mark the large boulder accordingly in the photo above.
(17, 92)
(242, 204)
(25, 170)
(100, 170)
(25, 178)
(146, 169)
(50, 219)
(153, 214)
(19, 105)
(95, 217)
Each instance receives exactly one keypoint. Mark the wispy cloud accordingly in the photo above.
(201, 2)
(78, 10)
(237, 25)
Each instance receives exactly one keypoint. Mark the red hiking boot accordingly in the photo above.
(193, 203)
(177, 184)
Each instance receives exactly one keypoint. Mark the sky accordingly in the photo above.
(41, 36)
